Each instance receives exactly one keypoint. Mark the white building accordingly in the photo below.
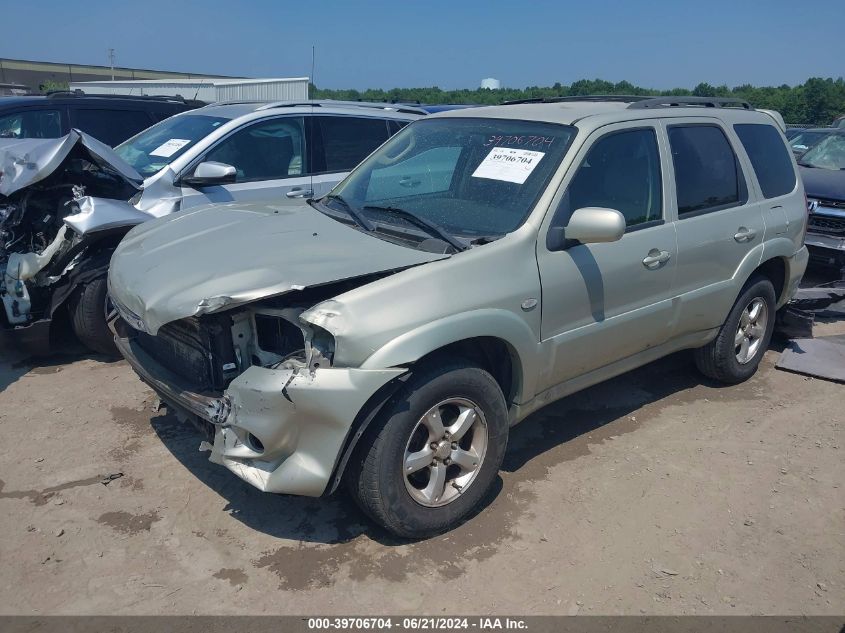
(210, 90)
(491, 84)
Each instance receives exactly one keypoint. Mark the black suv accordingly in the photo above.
(109, 118)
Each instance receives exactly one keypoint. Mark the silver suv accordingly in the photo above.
(478, 266)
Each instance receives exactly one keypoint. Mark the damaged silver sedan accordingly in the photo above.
(476, 267)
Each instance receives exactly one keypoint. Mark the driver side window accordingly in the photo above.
(268, 150)
(621, 171)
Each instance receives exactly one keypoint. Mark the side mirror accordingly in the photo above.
(211, 173)
(588, 225)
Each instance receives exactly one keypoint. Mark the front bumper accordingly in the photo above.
(281, 430)
(826, 250)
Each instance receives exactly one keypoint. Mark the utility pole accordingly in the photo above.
(111, 61)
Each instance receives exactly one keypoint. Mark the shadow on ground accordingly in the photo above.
(545, 438)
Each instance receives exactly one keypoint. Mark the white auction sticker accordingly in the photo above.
(168, 148)
(511, 165)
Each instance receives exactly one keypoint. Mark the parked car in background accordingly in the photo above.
(792, 132)
(479, 265)
(839, 122)
(257, 151)
(16, 90)
(823, 172)
(805, 139)
(109, 118)
(61, 218)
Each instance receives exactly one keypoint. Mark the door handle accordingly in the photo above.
(744, 235)
(299, 193)
(656, 258)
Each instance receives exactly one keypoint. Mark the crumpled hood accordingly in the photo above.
(25, 161)
(222, 255)
(828, 184)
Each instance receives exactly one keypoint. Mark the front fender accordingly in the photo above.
(501, 324)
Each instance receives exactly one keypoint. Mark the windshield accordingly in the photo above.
(806, 139)
(827, 154)
(158, 146)
(471, 177)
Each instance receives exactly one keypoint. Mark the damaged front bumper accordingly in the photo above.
(281, 430)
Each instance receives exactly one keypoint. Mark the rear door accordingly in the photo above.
(270, 158)
(719, 223)
(341, 142)
(604, 302)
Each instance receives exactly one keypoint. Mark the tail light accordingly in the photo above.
(806, 217)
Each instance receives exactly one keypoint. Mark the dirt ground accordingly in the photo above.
(656, 492)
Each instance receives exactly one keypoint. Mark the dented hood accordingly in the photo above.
(219, 256)
(25, 161)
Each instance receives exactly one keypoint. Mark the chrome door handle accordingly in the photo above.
(299, 193)
(656, 258)
(744, 235)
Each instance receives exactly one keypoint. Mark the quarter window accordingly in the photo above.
(707, 173)
(268, 150)
(621, 171)
(769, 157)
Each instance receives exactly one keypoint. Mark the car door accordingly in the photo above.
(604, 302)
(270, 160)
(718, 223)
(340, 143)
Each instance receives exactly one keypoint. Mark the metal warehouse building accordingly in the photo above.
(34, 74)
(210, 89)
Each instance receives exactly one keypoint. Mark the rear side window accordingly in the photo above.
(349, 140)
(707, 173)
(112, 127)
(31, 123)
(769, 157)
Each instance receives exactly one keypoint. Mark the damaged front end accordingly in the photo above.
(63, 204)
(260, 380)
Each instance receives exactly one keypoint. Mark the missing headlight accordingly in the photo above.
(278, 336)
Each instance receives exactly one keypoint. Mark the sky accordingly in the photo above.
(451, 44)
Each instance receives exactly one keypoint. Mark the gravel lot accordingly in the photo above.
(656, 492)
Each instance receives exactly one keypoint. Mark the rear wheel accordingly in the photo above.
(734, 355)
(88, 310)
(434, 453)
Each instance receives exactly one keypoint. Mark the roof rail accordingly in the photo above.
(596, 98)
(57, 94)
(395, 107)
(700, 102)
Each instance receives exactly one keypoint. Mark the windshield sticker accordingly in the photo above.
(168, 148)
(526, 140)
(508, 164)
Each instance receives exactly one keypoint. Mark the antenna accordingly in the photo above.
(309, 151)
(198, 91)
(111, 62)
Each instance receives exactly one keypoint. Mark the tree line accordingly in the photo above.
(815, 102)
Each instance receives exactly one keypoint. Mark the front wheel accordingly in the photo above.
(734, 355)
(88, 310)
(434, 452)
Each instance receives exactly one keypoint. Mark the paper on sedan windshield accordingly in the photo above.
(508, 164)
(168, 148)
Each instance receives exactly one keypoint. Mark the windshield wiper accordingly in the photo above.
(353, 212)
(423, 223)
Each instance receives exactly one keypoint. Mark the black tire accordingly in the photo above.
(376, 475)
(718, 359)
(88, 317)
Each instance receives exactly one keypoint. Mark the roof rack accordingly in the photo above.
(596, 98)
(700, 102)
(56, 94)
(395, 107)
